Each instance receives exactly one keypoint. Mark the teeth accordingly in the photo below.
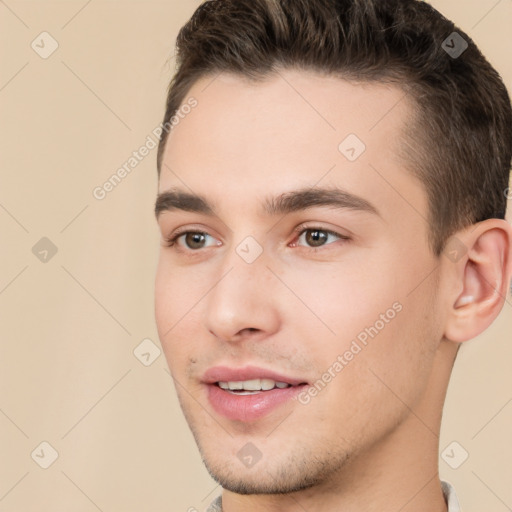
(248, 385)
(253, 385)
(267, 384)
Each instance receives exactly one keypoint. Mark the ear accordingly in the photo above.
(481, 276)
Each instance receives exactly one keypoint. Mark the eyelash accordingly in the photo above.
(173, 239)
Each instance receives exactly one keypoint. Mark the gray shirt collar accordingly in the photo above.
(449, 495)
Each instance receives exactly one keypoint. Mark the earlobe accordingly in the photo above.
(483, 277)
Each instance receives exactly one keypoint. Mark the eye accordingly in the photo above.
(193, 240)
(311, 237)
(317, 237)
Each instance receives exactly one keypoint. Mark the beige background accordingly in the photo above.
(69, 326)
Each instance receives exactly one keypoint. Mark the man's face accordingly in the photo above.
(289, 288)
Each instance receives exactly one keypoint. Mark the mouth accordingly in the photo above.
(249, 393)
(252, 387)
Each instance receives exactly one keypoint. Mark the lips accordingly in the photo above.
(226, 374)
(238, 404)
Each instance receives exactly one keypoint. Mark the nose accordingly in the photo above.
(243, 303)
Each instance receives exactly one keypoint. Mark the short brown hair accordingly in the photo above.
(459, 143)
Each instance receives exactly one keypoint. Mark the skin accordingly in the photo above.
(369, 440)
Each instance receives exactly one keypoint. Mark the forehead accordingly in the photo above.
(294, 129)
(288, 107)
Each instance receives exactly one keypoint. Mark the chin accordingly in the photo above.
(288, 474)
(259, 482)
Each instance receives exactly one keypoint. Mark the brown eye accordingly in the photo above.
(316, 238)
(195, 240)
(192, 241)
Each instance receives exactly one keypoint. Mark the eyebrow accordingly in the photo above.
(288, 202)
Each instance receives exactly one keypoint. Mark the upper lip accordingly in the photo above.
(227, 374)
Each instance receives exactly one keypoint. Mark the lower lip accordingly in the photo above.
(249, 407)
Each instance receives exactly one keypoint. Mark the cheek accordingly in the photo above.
(175, 314)
(177, 291)
(346, 297)
(389, 349)
(164, 299)
(369, 381)
(366, 306)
